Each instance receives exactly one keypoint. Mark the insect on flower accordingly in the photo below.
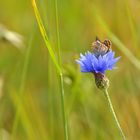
(101, 48)
(98, 62)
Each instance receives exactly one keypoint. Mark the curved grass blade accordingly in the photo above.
(44, 35)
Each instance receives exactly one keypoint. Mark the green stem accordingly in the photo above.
(114, 114)
(53, 57)
(66, 136)
(57, 32)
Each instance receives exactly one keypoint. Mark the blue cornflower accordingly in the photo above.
(91, 63)
(101, 59)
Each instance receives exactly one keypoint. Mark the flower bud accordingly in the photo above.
(101, 81)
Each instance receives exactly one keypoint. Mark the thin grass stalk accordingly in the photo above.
(21, 89)
(114, 115)
(66, 137)
(57, 32)
(45, 36)
(53, 57)
(23, 116)
(131, 24)
(51, 100)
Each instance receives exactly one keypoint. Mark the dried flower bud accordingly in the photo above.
(101, 81)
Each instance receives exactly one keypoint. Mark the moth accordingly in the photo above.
(101, 48)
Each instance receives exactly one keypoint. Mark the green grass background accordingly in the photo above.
(30, 78)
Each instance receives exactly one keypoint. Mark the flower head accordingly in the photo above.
(91, 63)
(101, 59)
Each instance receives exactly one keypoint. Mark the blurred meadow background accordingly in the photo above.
(30, 86)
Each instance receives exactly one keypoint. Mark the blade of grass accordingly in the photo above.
(57, 32)
(44, 35)
(23, 116)
(21, 89)
(61, 75)
(131, 23)
(116, 40)
(52, 54)
(38, 119)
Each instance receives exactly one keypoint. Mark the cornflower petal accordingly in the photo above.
(91, 63)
